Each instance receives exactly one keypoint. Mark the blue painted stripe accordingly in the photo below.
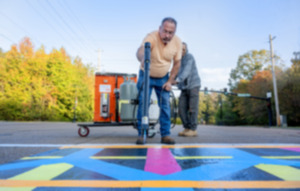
(82, 154)
(116, 171)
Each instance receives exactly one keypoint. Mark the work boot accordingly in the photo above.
(140, 141)
(167, 140)
(190, 133)
(182, 132)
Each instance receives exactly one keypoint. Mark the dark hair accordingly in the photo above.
(169, 19)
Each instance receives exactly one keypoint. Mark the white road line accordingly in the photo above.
(34, 145)
(194, 144)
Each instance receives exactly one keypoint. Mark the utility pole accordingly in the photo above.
(297, 56)
(75, 105)
(99, 60)
(278, 122)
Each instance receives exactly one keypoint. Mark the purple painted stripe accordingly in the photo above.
(161, 161)
(293, 149)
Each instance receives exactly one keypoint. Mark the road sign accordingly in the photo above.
(244, 95)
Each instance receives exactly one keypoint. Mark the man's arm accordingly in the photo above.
(140, 54)
(168, 85)
(141, 50)
(187, 69)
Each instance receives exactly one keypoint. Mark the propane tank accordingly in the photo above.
(153, 108)
(128, 91)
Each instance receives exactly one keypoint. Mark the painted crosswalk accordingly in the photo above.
(160, 167)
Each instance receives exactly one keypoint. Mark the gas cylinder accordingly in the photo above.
(128, 92)
(153, 108)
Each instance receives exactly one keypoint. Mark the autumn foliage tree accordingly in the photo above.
(254, 111)
(289, 95)
(253, 75)
(248, 64)
(35, 85)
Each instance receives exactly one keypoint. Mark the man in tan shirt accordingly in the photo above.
(165, 52)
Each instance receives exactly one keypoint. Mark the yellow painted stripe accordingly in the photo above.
(119, 157)
(180, 146)
(281, 157)
(151, 184)
(17, 189)
(41, 157)
(281, 171)
(202, 157)
(44, 172)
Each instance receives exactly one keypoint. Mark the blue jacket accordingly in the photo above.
(188, 77)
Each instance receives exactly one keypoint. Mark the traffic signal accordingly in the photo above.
(205, 91)
(225, 91)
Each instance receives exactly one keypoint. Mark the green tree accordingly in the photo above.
(289, 99)
(35, 85)
(84, 90)
(226, 115)
(254, 111)
(208, 107)
(248, 64)
(13, 85)
(252, 75)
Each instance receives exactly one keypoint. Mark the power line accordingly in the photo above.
(20, 27)
(45, 19)
(7, 38)
(74, 44)
(82, 48)
(79, 25)
(58, 16)
(73, 16)
(61, 18)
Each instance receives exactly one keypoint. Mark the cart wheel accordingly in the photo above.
(151, 133)
(83, 131)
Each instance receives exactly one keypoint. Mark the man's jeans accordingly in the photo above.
(188, 107)
(163, 98)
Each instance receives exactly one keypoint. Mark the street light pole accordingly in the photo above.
(99, 60)
(75, 105)
(274, 83)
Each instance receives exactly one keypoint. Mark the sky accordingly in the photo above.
(106, 33)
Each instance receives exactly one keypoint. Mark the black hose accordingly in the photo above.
(136, 102)
(172, 96)
(175, 109)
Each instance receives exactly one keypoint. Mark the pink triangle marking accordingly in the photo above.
(161, 161)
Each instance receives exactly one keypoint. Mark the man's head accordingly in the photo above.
(184, 48)
(167, 29)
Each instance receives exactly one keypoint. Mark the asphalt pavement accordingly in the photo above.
(20, 139)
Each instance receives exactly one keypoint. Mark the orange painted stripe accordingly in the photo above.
(150, 184)
(181, 146)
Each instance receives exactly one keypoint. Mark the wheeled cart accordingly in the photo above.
(83, 130)
(116, 103)
(116, 100)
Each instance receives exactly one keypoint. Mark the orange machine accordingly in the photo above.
(107, 86)
(115, 103)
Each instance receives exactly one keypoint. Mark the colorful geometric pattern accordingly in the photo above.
(156, 167)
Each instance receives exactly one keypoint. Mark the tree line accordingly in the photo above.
(253, 75)
(35, 85)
